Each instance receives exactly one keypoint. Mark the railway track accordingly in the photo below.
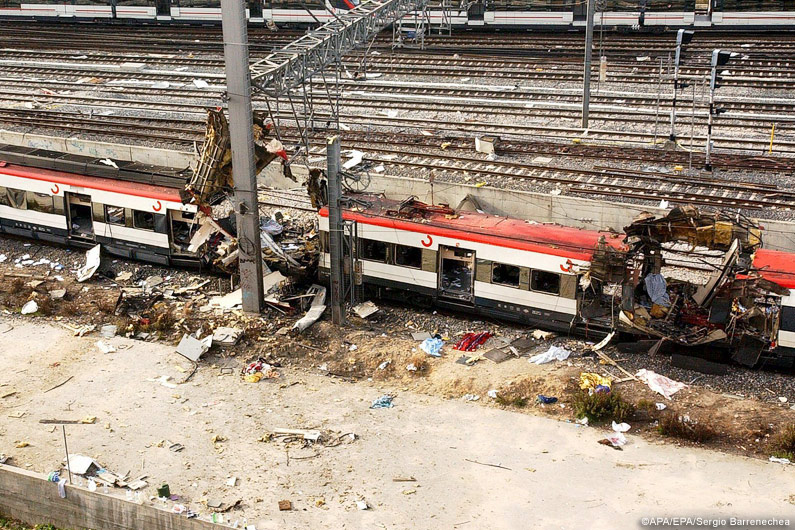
(645, 186)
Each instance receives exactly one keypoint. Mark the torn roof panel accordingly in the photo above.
(137, 189)
(776, 266)
(557, 240)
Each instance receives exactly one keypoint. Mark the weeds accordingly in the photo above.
(517, 394)
(685, 428)
(783, 442)
(602, 406)
(420, 362)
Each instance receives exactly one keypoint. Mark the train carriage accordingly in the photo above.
(507, 268)
(779, 267)
(133, 218)
(518, 14)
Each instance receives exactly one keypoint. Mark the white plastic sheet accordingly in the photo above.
(659, 383)
(554, 353)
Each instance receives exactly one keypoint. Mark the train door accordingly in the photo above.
(163, 8)
(254, 9)
(477, 10)
(456, 273)
(79, 219)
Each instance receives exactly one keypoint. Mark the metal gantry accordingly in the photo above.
(298, 61)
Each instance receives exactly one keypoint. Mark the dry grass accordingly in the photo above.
(602, 406)
(17, 286)
(71, 308)
(45, 303)
(684, 428)
(420, 361)
(517, 394)
(782, 443)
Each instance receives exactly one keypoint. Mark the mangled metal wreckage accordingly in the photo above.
(211, 188)
(735, 310)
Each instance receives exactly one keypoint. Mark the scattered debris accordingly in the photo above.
(30, 307)
(224, 336)
(92, 264)
(192, 348)
(105, 347)
(659, 383)
(432, 346)
(316, 309)
(365, 309)
(546, 400)
(594, 382)
(285, 506)
(362, 505)
(383, 402)
(472, 341)
(554, 353)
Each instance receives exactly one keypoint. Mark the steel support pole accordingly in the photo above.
(335, 230)
(708, 161)
(586, 76)
(238, 88)
(672, 136)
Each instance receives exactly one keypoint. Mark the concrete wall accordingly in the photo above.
(29, 497)
(129, 153)
(541, 207)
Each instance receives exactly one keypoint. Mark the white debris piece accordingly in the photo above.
(365, 309)
(109, 162)
(354, 160)
(315, 310)
(193, 348)
(659, 383)
(200, 83)
(104, 347)
(92, 264)
(30, 307)
(554, 353)
(621, 427)
(602, 343)
(227, 336)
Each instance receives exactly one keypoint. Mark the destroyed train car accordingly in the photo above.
(572, 280)
(136, 210)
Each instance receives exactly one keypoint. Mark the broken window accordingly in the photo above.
(183, 226)
(16, 198)
(4, 197)
(505, 274)
(40, 202)
(545, 282)
(408, 256)
(143, 220)
(114, 215)
(373, 250)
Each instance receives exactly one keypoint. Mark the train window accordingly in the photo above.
(545, 282)
(40, 202)
(143, 220)
(4, 197)
(16, 198)
(408, 256)
(133, 2)
(372, 250)
(505, 274)
(114, 215)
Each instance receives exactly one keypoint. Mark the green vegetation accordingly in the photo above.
(783, 443)
(602, 406)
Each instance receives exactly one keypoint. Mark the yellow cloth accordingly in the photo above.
(592, 380)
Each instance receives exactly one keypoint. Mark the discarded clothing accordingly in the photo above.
(659, 383)
(471, 341)
(384, 402)
(657, 289)
(554, 353)
(591, 381)
(547, 400)
(270, 226)
(432, 346)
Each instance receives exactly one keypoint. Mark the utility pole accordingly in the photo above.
(719, 58)
(238, 89)
(682, 37)
(586, 77)
(335, 229)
